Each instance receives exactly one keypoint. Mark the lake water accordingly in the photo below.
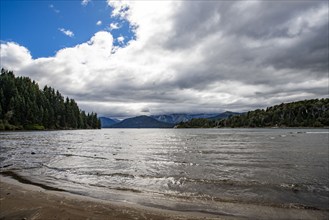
(181, 169)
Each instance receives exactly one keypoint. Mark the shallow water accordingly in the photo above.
(181, 169)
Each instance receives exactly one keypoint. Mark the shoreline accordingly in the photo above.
(219, 128)
(25, 201)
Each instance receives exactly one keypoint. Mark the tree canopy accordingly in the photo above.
(24, 106)
(307, 113)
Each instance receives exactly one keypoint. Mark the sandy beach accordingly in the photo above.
(23, 201)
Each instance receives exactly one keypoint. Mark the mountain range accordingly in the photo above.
(142, 121)
(177, 118)
(160, 121)
(108, 122)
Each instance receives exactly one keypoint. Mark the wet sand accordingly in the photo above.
(23, 201)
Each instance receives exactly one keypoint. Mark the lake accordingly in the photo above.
(179, 169)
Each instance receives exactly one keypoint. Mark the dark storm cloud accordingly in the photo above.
(267, 24)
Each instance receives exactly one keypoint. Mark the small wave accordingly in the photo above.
(181, 180)
(326, 188)
(317, 132)
(254, 163)
(58, 168)
(298, 206)
(22, 179)
(205, 197)
(5, 166)
(127, 189)
(293, 187)
(118, 188)
(187, 210)
(226, 152)
(122, 159)
(125, 175)
(75, 155)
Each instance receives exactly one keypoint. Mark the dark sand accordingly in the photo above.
(22, 201)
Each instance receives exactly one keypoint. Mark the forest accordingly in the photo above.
(24, 106)
(307, 113)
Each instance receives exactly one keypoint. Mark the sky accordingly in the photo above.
(127, 58)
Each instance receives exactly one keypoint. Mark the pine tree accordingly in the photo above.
(23, 104)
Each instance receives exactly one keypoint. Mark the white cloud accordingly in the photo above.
(14, 56)
(191, 57)
(120, 8)
(121, 39)
(98, 23)
(66, 32)
(54, 9)
(80, 63)
(85, 2)
(114, 26)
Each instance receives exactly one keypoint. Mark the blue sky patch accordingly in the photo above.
(44, 27)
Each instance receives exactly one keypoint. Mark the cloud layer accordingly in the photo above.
(191, 56)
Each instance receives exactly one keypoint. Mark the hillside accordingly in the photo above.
(224, 115)
(169, 120)
(177, 118)
(24, 106)
(107, 122)
(141, 122)
(307, 113)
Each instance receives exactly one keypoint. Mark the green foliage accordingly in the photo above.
(2, 125)
(197, 123)
(307, 113)
(34, 127)
(24, 106)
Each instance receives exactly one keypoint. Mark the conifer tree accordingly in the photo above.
(24, 106)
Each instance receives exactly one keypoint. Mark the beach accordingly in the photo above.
(24, 201)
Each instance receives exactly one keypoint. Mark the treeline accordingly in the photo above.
(307, 113)
(198, 123)
(24, 106)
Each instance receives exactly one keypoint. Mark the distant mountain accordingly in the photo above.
(108, 122)
(172, 118)
(177, 118)
(142, 122)
(160, 121)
